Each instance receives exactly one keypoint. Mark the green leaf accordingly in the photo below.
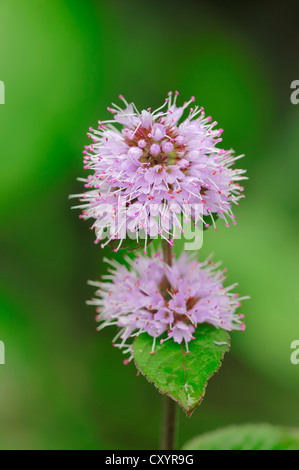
(180, 375)
(247, 437)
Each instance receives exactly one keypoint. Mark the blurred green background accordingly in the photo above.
(62, 62)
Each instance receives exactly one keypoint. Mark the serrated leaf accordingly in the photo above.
(247, 437)
(180, 375)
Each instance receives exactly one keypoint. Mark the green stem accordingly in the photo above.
(169, 423)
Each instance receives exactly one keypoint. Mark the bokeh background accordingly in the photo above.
(62, 62)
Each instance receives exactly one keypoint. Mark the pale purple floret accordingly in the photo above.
(150, 297)
(148, 171)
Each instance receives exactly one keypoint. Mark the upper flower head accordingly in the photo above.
(154, 298)
(147, 170)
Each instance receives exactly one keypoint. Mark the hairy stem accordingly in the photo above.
(169, 423)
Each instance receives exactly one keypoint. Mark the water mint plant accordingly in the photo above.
(172, 316)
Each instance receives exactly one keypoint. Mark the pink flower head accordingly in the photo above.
(150, 168)
(151, 297)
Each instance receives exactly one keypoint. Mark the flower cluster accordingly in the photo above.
(148, 171)
(149, 296)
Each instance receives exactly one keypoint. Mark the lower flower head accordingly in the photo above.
(150, 297)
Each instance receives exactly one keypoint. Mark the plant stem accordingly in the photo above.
(169, 406)
(167, 253)
(169, 424)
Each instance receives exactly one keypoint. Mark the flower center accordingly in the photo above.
(158, 145)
